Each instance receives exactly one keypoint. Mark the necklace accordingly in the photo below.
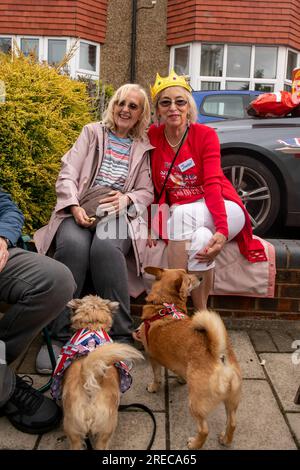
(174, 145)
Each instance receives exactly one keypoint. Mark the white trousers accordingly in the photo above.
(193, 222)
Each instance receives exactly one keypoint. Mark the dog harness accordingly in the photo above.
(82, 343)
(170, 309)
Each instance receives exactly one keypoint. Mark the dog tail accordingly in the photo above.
(212, 323)
(95, 364)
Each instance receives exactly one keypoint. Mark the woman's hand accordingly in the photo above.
(209, 253)
(150, 240)
(115, 203)
(3, 253)
(81, 217)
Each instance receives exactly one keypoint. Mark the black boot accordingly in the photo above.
(30, 411)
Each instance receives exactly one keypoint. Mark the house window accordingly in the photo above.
(182, 60)
(265, 62)
(5, 45)
(30, 46)
(291, 64)
(211, 60)
(57, 49)
(87, 56)
(238, 61)
(210, 85)
(264, 87)
(236, 85)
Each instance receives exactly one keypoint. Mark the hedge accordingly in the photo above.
(40, 119)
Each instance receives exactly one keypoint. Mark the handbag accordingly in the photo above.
(90, 199)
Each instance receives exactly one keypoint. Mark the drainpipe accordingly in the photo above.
(133, 41)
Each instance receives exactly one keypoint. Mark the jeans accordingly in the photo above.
(103, 262)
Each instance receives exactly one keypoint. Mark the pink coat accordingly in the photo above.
(76, 176)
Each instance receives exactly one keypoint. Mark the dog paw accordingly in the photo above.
(223, 440)
(192, 443)
(180, 380)
(153, 387)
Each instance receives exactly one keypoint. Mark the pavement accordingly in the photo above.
(267, 417)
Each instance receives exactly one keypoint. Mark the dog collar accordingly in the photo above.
(169, 309)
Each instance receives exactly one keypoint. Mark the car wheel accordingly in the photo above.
(257, 187)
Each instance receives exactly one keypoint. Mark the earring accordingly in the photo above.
(158, 121)
(188, 120)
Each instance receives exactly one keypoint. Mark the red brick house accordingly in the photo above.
(219, 43)
(51, 28)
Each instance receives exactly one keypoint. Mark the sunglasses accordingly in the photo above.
(166, 102)
(130, 105)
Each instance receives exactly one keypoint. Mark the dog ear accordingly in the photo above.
(184, 289)
(74, 304)
(113, 306)
(157, 272)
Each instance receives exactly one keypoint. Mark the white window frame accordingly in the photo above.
(85, 72)
(7, 36)
(26, 36)
(286, 81)
(172, 59)
(195, 64)
(73, 64)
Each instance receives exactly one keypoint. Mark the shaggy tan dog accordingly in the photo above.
(91, 384)
(197, 349)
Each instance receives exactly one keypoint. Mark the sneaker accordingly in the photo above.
(30, 411)
(43, 362)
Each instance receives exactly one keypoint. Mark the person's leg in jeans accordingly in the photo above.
(111, 243)
(37, 288)
(73, 245)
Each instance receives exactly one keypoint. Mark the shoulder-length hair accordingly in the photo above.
(192, 113)
(139, 130)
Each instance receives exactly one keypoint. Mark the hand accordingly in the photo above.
(114, 204)
(151, 241)
(81, 217)
(213, 248)
(3, 253)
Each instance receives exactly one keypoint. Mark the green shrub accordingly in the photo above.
(40, 119)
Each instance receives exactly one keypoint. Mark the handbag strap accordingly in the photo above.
(172, 164)
(96, 159)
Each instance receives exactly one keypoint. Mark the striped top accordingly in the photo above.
(114, 167)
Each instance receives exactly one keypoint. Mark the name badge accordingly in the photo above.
(184, 166)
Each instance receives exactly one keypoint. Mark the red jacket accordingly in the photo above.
(200, 154)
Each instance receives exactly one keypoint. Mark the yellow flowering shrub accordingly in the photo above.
(40, 118)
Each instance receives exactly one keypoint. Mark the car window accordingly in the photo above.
(218, 105)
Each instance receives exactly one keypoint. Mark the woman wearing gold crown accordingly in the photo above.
(205, 210)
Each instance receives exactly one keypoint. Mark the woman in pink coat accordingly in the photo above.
(114, 154)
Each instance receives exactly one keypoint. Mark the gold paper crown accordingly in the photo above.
(165, 82)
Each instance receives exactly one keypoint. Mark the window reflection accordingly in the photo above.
(211, 60)
(56, 50)
(87, 58)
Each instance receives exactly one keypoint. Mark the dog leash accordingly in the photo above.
(133, 405)
(147, 410)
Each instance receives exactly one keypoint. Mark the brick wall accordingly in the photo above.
(239, 21)
(152, 54)
(77, 18)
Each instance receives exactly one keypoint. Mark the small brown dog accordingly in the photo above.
(91, 383)
(197, 349)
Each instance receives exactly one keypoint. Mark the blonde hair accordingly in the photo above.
(192, 113)
(139, 130)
